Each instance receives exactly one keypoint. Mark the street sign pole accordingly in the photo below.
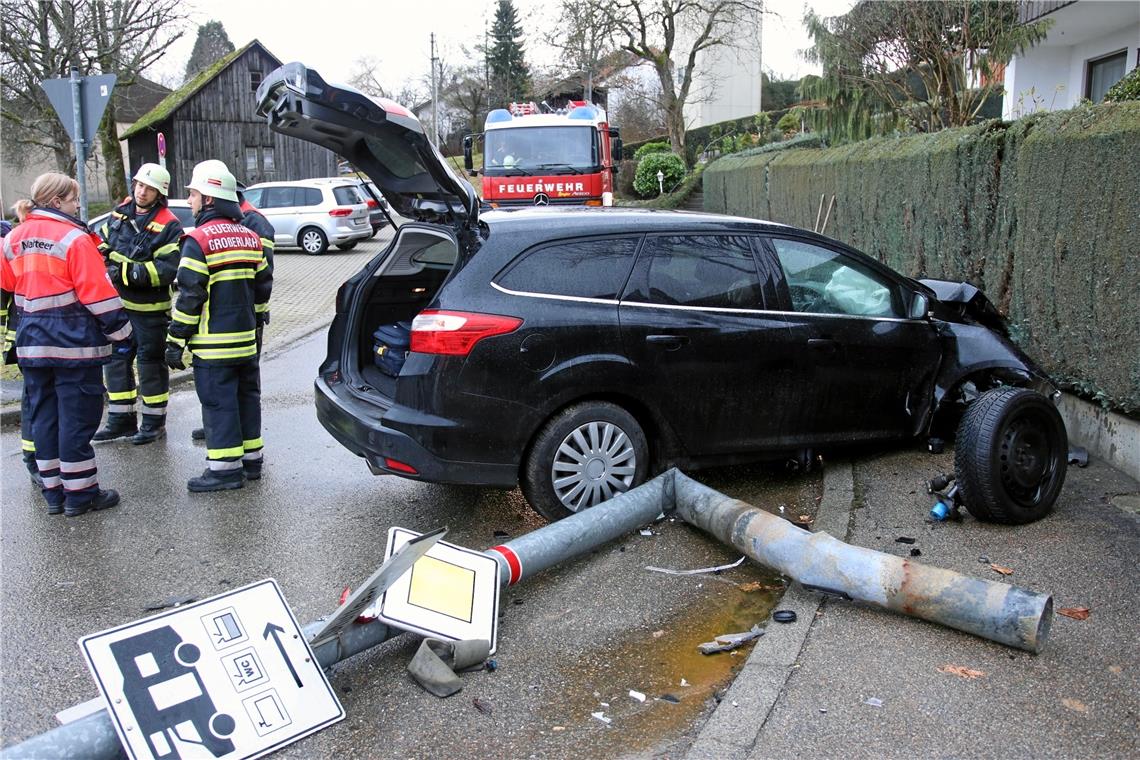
(77, 136)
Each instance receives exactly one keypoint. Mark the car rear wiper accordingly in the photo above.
(573, 169)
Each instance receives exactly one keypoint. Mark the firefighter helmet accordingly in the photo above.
(212, 178)
(154, 176)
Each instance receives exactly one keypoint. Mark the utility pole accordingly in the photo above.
(434, 96)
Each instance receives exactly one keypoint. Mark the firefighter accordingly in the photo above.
(257, 222)
(69, 321)
(140, 245)
(224, 282)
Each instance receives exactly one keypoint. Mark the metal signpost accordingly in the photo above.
(80, 102)
(232, 675)
(162, 150)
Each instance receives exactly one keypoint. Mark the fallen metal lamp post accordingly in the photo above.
(93, 737)
(990, 609)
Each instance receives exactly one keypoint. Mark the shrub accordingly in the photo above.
(1127, 88)
(789, 123)
(651, 147)
(645, 181)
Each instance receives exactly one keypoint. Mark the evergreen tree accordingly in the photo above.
(212, 44)
(510, 76)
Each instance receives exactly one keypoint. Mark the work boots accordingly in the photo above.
(198, 434)
(118, 426)
(153, 428)
(33, 469)
(252, 468)
(217, 480)
(105, 499)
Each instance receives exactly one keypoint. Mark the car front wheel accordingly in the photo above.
(313, 241)
(1010, 456)
(586, 454)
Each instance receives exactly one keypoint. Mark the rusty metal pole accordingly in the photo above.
(995, 611)
(93, 737)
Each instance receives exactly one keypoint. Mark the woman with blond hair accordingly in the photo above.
(68, 315)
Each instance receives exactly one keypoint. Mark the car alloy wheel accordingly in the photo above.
(313, 241)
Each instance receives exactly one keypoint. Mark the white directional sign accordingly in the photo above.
(228, 677)
(451, 593)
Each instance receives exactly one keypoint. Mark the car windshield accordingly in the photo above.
(541, 150)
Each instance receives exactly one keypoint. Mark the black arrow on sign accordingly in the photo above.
(275, 630)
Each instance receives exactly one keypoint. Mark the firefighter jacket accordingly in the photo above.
(142, 256)
(53, 280)
(224, 284)
(257, 222)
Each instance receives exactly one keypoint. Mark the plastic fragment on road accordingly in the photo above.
(436, 663)
(698, 571)
(671, 699)
(482, 706)
(730, 641)
(640, 697)
(602, 717)
(784, 616)
(873, 702)
(646, 532)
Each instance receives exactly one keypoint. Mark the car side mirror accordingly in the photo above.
(919, 306)
(618, 146)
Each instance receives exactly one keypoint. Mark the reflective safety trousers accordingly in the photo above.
(224, 283)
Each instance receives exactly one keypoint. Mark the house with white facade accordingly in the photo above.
(727, 78)
(1091, 45)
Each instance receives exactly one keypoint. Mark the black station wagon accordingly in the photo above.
(577, 351)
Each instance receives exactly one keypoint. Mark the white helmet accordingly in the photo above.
(212, 178)
(154, 176)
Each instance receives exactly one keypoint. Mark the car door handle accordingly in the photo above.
(668, 342)
(823, 345)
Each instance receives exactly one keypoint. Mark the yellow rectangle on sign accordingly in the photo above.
(443, 587)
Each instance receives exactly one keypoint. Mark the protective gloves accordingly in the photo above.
(174, 356)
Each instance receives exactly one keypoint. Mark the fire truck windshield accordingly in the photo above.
(547, 150)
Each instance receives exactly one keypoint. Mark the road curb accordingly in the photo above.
(10, 414)
(732, 730)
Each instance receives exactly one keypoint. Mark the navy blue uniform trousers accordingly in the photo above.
(66, 404)
(230, 395)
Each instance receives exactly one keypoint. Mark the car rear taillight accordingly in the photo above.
(340, 212)
(455, 333)
(372, 204)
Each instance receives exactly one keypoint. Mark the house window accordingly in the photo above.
(267, 161)
(255, 78)
(1104, 73)
(250, 161)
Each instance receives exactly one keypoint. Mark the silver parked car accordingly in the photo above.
(313, 214)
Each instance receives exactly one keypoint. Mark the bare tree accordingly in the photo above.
(671, 35)
(585, 35)
(364, 76)
(465, 92)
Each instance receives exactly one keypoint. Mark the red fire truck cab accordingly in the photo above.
(564, 157)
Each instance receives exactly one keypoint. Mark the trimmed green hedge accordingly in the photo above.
(1043, 213)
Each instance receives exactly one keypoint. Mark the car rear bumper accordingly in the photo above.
(356, 426)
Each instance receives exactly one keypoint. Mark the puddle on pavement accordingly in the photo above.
(656, 665)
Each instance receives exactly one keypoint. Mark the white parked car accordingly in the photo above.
(179, 207)
(312, 214)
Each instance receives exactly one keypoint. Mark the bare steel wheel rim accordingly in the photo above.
(311, 241)
(595, 462)
(1029, 457)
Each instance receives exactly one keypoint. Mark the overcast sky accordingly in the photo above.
(331, 36)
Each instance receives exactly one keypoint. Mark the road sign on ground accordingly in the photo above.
(451, 592)
(231, 676)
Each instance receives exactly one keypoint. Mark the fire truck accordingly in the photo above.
(558, 157)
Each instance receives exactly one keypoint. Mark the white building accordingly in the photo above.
(1091, 46)
(726, 83)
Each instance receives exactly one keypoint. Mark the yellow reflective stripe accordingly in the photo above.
(215, 338)
(105, 232)
(193, 265)
(224, 353)
(180, 342)
(116, 256)
(26, 445)
(168, 248)
(117, 215)
(260, 308)
(231, 274)
(253, 443)
(130, 395)
(123, 271)
(217, 259)
(235, 451)
(160, 398)
(134, 306)
(267, 243)
(156, 227)
(152, 270)
(184, 318)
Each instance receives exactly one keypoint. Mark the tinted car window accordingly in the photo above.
(716, 271)
(309, 196)
(823, 281)
(253, 195)
(347, 196)
(277, 197)
(583, 268)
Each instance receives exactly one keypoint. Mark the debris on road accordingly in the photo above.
(730, 641)
(646, 532)
(904, 540)
(1075, 705)
(483, 705)
(602, 717)
(174, 601)
(658, 634)
(1001, 569)
(758, 586)
(640, 697)
(684, 682)
(437, 661)
(784, 616)
(1076, 613)
(961, 671)
(1079, 456)
(916, 552)
(873, 702)
(698, 571)
(805, 520)
(670, 699)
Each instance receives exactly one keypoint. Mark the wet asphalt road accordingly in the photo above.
(581, 634)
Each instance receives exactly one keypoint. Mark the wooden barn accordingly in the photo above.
(212, 116)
